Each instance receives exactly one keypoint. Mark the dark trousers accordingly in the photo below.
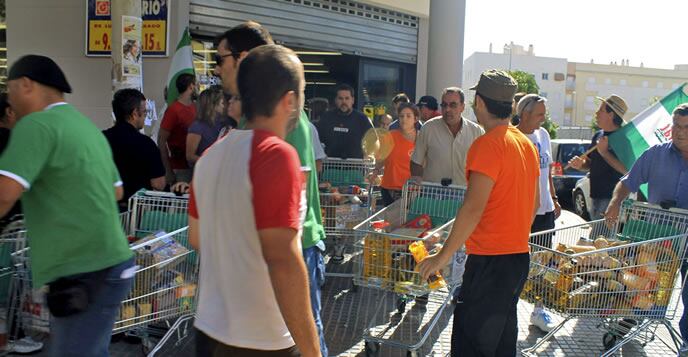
(543, 222)
(206, 346)
(485, 321)
(389, 196)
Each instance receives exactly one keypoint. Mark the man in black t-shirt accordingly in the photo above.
(136, 156)
(605, 168)
(342, 130)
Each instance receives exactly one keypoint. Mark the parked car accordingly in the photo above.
(564, 181)
(582, 204)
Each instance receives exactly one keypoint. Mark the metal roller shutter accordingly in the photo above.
(332, 25)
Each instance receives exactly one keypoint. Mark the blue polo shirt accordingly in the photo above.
(665, 171)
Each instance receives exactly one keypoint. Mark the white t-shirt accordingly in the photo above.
(540, 138)
(247, 181)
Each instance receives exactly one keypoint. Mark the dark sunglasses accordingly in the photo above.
(219, 59)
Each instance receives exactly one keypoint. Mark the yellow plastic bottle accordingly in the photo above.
(419, 252)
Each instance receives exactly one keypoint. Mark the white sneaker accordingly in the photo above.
(542, 320)
(25, 346)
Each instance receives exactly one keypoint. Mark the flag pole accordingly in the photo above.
(586, 153)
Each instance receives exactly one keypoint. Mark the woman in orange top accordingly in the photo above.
(397, 164)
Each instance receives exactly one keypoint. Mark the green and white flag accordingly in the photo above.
(649, 128)
(182, 62)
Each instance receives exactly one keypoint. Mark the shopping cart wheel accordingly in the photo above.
(609, 341)
(412, 354)
(372, 349)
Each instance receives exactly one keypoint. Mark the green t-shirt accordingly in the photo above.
(300, 139)
(65, 165)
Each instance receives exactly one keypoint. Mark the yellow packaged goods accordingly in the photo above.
(565, 281)
(419, 252)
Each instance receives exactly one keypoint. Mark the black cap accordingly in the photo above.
(428, 101)
(42, 70)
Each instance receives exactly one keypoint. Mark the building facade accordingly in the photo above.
(380, 47)
(639, 86)
(549, 73)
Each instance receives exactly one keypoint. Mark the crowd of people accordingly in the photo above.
(250, 156)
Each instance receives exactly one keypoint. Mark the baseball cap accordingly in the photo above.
(496, 85)
(615, 103)
(42, 70)
(427, 101)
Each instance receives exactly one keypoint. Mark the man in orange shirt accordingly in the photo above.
(502, 170)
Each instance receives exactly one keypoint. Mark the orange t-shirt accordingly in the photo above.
(511, 160)
(398, 163)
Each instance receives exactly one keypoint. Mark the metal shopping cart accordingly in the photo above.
(625, 277)
(387, 264)
(165, 285)
(346, 199)
(26, 308)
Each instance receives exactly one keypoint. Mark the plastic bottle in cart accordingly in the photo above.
(419, 252)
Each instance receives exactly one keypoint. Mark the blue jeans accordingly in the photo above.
(599, 206)
(88, 333)
(315, 264)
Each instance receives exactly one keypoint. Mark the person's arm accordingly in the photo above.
(631, 182)
(275, 170)
(416, 171)
(156, 168)
(603, 149)
(555, 199)
(419, 155)
(194, 240)
(479, 189)
(536, 205)
(158, 183)
(580, 163)
(163, 135)
(192, 142)
(10, 192)
(119, 192)
(282, 254)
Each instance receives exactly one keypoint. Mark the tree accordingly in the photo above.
(527, 84)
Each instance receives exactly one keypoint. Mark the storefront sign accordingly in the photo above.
(155, 15)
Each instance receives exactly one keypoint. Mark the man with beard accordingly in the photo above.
(342, 129)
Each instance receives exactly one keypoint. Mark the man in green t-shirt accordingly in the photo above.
(232, 47)
(61, 166)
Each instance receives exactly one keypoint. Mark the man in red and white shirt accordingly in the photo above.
(246, 211)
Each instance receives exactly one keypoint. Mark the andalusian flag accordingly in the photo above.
(182, 62)
(649, 128)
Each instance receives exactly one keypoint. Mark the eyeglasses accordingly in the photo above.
(452, 105)
(219, 59)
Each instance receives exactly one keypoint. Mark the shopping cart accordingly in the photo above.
(626, 280)
(387, 264)
(346, 199)
(26, 308)
(165, 284)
